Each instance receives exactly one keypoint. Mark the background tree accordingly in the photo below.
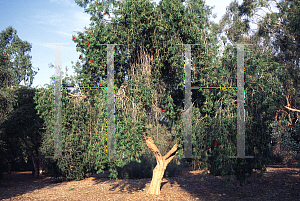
(21, 130)
(282, 30)
(15, 67)
(278, 34)
(264, 78)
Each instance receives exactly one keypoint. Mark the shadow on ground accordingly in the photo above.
(19, 183)
(280, 182)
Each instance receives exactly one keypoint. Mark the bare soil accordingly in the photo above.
(280, 182)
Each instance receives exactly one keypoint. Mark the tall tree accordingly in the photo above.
(278, 32)
(22, 130)
(153, 64)
(18, 65)
(15, 67)
(149, 82)
(264, 72)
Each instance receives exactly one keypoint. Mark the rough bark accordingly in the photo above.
(162, 162)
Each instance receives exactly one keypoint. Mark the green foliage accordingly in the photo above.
(287, 138)
(83, 132)
(261, 95)
(21, 132)
(149, 89)
(15, 66)
(264, 91)
(15, 61)
(152, 83)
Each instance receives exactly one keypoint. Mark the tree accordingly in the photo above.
(154, 66)
(162, 162)
(15, 67)
(156, 82)
(265, 75)
(149, 82)
(283, 27)
(278, 33)
(22, 129)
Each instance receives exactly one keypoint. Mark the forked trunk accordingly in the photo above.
(162, 162)
(158, 174)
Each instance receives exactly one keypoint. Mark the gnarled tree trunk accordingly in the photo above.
(162, 162)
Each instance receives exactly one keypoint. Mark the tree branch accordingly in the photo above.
(150, 143)
(174, 149)
(169, 159)
(278, 4)
(294, 110)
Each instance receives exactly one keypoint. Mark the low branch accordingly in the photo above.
(294, 110)
(169, 159)
(150, 143)
(174, 149)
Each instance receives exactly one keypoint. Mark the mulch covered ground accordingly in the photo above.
(280, 182)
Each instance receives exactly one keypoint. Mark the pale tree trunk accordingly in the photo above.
(162, 162)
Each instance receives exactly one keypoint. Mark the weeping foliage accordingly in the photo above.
(149, 90)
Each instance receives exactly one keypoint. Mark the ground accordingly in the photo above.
(280, 182)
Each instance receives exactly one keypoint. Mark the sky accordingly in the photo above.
(55, 21)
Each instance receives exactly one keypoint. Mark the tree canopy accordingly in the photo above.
(149, 85)
(15, 105)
